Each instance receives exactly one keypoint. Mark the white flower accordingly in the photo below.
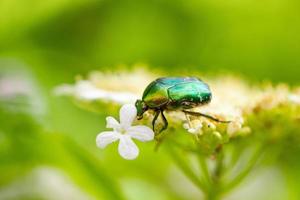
(124, 132)
(193, 127)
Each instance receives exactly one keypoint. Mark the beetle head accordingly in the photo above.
(141, 107)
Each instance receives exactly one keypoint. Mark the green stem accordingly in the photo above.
(212, 195)
(219, 168)
(204, 170)
(186, 169)
(241, 176)
(214, 192)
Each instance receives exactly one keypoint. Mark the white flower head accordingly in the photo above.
(193, 127)
(124, 132)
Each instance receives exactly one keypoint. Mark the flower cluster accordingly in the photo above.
(233, 100)
(216, 145)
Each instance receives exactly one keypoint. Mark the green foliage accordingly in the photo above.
(26, 145)
(54, 40)
(273, 141)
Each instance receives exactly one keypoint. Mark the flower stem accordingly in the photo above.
(186, 169)
(204, 169)
(214, 192)
(241, 176)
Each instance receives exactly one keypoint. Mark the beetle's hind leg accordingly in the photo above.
(204, 115)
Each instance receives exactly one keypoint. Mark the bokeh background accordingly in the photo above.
(47, 145)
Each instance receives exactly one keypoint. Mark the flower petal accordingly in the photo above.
(106, 137)
(142, 133)
(127, 115)
(127, 149)
(112, 123)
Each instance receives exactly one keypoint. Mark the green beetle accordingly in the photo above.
(174, 93)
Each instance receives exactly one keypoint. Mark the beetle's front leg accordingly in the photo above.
(160, 135)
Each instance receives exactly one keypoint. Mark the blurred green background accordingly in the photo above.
(47, 145)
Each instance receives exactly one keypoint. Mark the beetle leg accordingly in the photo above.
(154, 119)
(164, 120)
(204, 115)
(188, 119)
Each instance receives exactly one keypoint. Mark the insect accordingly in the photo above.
(174, 93)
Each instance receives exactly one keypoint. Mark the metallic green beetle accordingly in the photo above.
(174, 93)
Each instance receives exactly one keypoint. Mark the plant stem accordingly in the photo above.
(215, 187)
(238, 179)
(204, 169)
(186, 169)
(210, 184)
